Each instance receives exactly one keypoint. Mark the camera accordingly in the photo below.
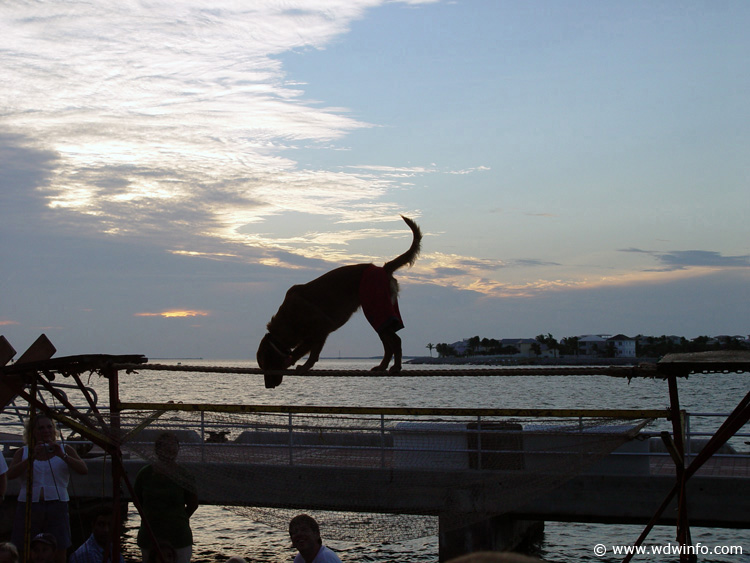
(49, 447)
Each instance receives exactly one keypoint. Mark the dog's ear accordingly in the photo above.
(268, 359)
(272, 381)
(262, 355)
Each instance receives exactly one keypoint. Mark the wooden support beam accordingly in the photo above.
(739, 417)
(669, 444)
(11, 385)
(678, 437)
(6, 351)
(41, 349)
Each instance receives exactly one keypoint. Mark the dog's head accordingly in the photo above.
(272, 356)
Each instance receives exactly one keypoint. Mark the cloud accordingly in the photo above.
(531, 262)
(171, 121)
(479, 274)
(684, 259)
(527, 278)
(175, 125)
(400, 171)
(175, 314)
(25, 166)
(412, 171)
(464, 264)
(470, 170)
(470, 264)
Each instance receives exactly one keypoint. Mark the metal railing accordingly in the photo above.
(372, 430)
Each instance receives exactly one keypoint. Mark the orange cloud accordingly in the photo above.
(174, 314)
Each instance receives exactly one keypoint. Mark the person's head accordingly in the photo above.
(8, 553)
(305, 533)
(43, 429)
(43, 548)
(166, 446)
(101, 525)
(165, 553)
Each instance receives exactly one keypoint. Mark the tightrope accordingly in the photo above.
(629, 372)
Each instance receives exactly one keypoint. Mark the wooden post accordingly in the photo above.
(678, 436)
(116, 453)
(30, 444)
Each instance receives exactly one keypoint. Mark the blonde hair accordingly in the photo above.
(28, 430)
(8, 547)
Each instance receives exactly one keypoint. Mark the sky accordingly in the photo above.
(168, 169)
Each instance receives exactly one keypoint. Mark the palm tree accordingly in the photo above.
(430, 347)
(473, 343)
(549, 341)
(536, 348)
(552, 344)
(569, 345)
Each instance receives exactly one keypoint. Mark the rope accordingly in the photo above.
(641, 370)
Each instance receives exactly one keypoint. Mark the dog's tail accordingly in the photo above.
(410, 256)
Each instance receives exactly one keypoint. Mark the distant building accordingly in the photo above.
(623, 346)
(592, 344)
(523, 345)
(461, 346)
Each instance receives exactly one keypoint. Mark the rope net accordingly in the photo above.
(370, 476)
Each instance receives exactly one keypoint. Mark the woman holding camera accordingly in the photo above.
(53, 463)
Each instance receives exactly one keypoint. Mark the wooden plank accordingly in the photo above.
(6, 351)
(41, 349)
(78, 364)
(716, 356)
(720, 361)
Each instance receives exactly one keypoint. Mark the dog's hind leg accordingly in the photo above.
(396, 367)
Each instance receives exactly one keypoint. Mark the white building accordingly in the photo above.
(623, 346)
(592, 344)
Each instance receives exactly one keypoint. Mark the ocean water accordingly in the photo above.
(220, 532)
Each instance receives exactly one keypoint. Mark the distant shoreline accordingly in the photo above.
(513, 361)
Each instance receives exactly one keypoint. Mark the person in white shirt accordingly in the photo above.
(305, 534)
(53, 462)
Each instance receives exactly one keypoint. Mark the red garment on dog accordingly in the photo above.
(378, 305)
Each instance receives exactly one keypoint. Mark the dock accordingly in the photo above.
(597, 497)
(489, 475)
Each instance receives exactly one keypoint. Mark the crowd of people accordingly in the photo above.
(165, 492)
(42, 512)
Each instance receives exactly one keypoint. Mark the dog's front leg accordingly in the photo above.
(315, 349)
